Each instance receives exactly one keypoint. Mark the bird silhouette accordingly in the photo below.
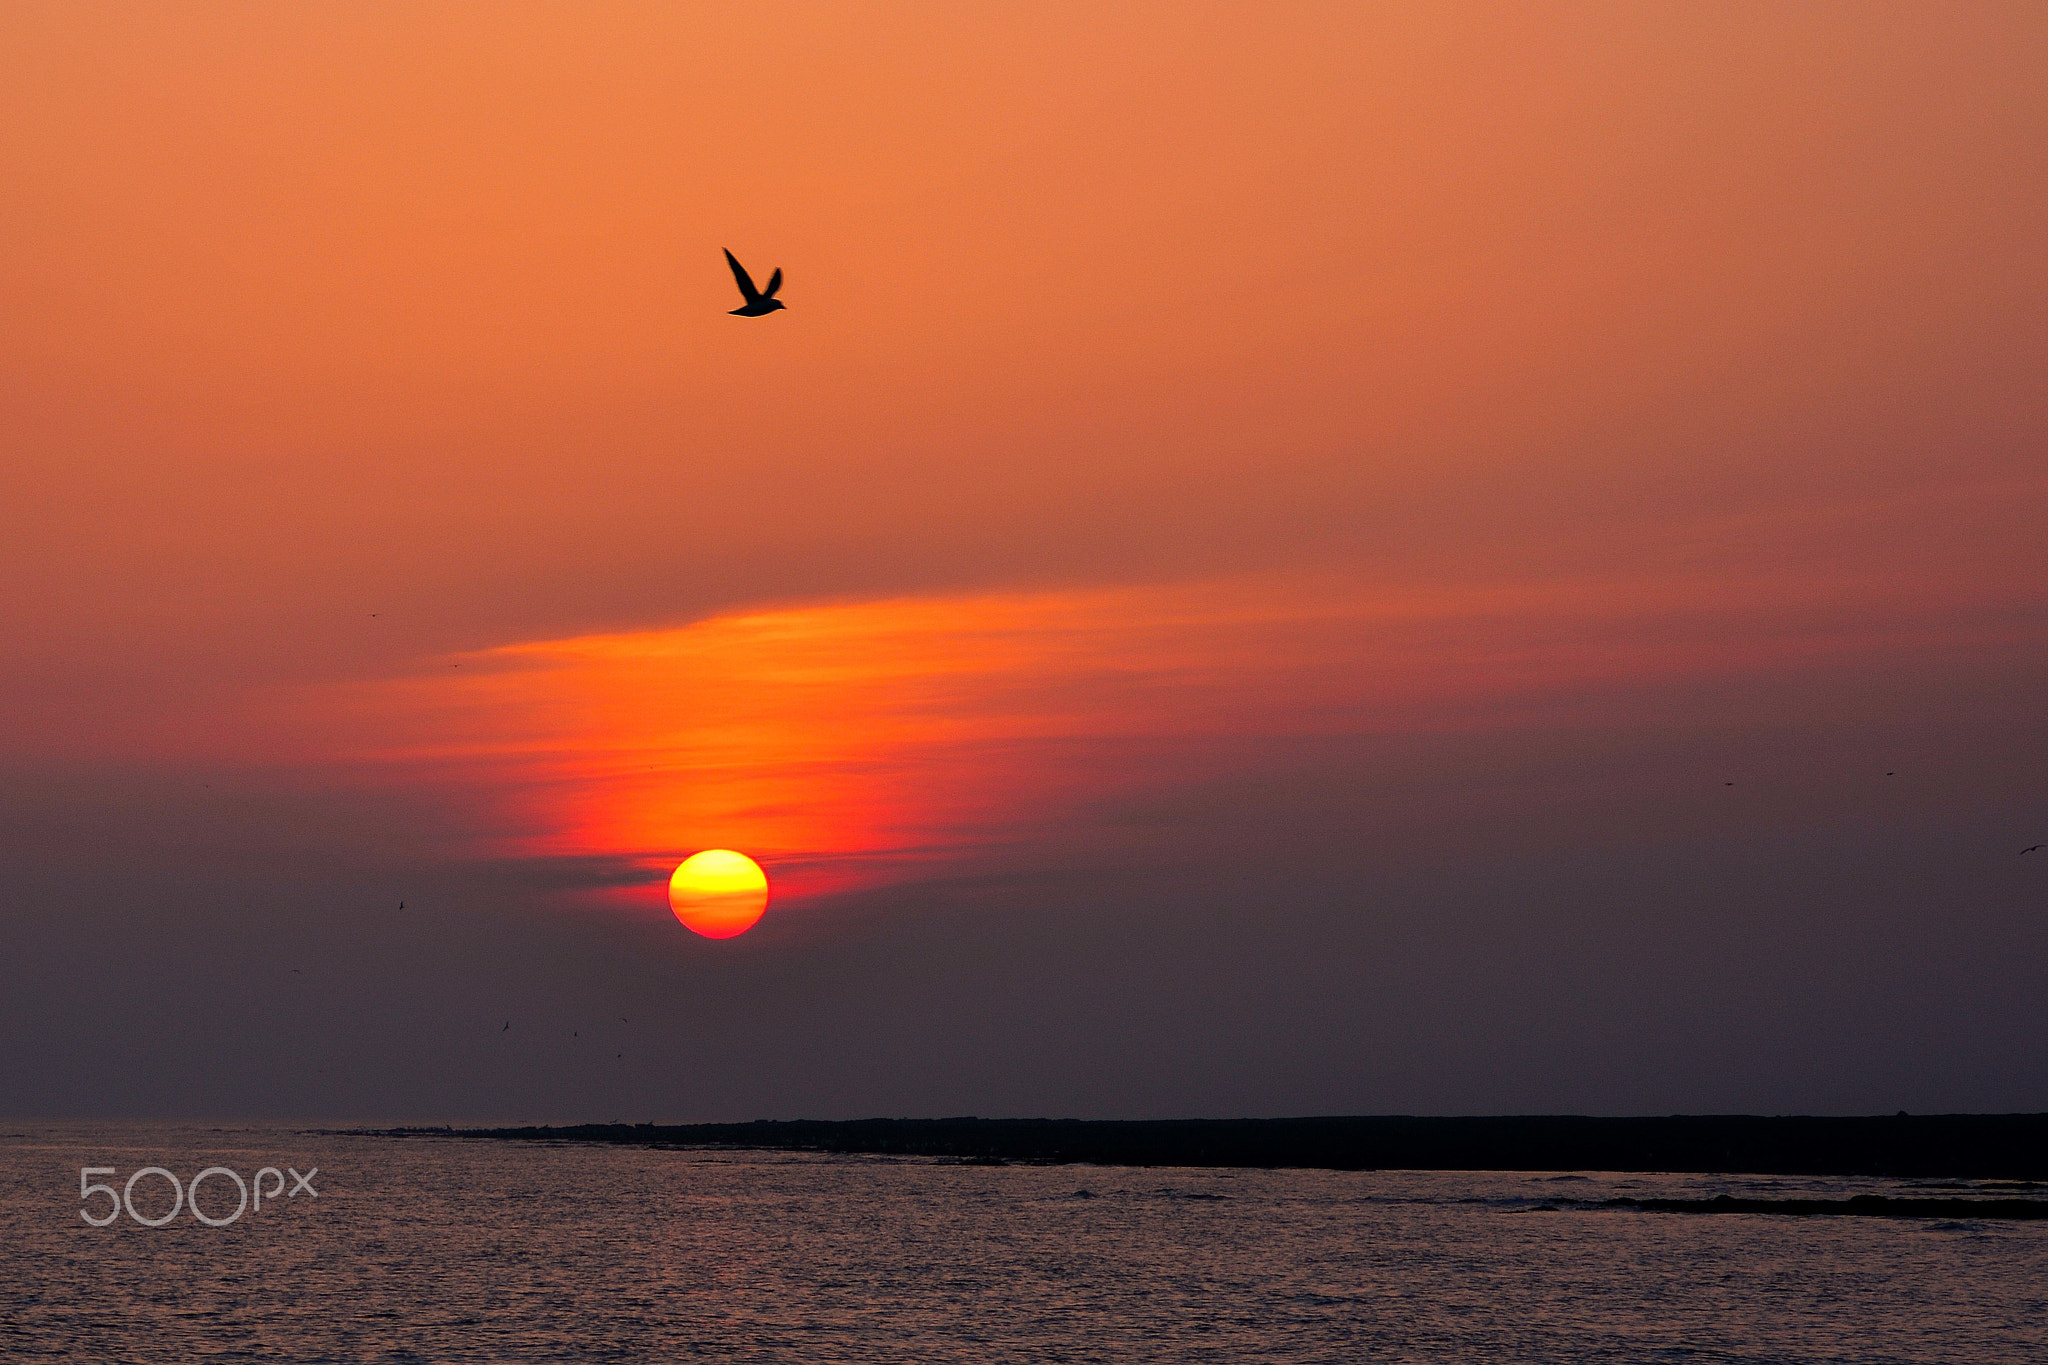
(760, 302)
(2035, 848)
(508, 1024)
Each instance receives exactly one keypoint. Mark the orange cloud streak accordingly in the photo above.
(847, 743)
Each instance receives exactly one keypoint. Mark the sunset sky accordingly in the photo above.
(1282, 558)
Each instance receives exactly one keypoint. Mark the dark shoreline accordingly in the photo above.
(1857, 1206)
(1921, 1146)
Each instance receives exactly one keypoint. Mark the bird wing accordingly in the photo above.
(745, 281)
(774, 283)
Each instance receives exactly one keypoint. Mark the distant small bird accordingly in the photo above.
(1727, 784)
(401, 905)
(2033, 848)
(760, 302)
(622, 1056)
(1891, 774)
(508, 1024)
(624, 1020)
(297, 972)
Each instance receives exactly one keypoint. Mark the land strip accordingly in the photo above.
(1931, 1146)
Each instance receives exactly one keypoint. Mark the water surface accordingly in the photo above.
(447, 1250)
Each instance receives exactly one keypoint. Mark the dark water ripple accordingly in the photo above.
(448, 1251)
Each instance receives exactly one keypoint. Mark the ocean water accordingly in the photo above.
(448, 1250)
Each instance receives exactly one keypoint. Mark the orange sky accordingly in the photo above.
(1286, 558)
(319, 311)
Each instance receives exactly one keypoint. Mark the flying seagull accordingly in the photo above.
(508, 1024)
(759, 303)
(2032, 849)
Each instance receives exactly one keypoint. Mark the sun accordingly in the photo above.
(718, 893)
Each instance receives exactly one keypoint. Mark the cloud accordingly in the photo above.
(861, 743)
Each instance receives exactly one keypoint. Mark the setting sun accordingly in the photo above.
(718, 893)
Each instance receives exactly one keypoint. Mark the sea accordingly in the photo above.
(443, 1249)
